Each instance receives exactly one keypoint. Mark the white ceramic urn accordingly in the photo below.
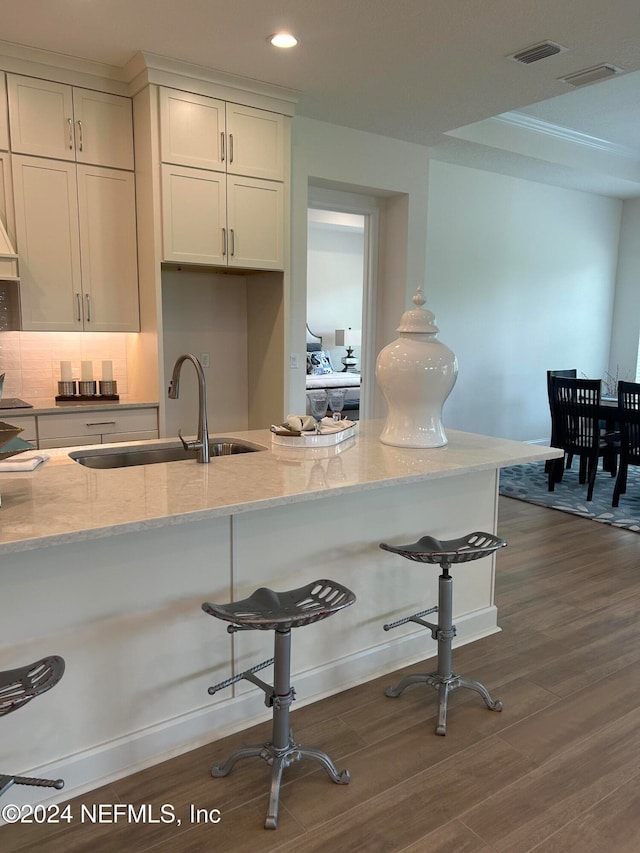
(416, 374)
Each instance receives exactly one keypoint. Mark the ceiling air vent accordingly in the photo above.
(591, 75)
(537, 52)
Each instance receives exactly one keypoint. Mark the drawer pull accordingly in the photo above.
(100, 423)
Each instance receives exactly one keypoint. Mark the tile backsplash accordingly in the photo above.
(31, 360)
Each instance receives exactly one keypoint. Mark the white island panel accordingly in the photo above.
(338, 538)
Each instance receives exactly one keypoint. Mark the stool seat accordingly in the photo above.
(266, 610)
(444, 553)
(19, 686)
(280, 612)
(428, 549)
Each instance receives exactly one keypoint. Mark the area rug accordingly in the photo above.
(530, 483)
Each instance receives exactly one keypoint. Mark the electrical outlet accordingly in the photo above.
(293, 361)
(204, 359)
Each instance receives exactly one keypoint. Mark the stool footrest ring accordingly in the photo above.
(234, 679)
(415, 618)
(7, 781)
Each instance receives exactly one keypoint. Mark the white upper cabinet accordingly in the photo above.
(75, 228)
(104, 129)
(46, 204)
(192, 130)
(4, 122)
(255, 143)
(223, 174)
(204, 132)
(108, 249)
(255, 213)
(49, 119)
(194, 213)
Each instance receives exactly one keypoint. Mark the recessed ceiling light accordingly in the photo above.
(283, 40)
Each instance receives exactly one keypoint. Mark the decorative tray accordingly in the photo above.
(329, 434)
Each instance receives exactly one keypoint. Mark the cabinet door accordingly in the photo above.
(41, 117)
(6, 197)
(108, 252)
(192, 129)
(194, 216)
(103, 129)
(46, 206)
(256, 223)
(4, 125)
(255, 142)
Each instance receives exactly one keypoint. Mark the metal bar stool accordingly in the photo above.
(19, 686)
(266, 610)
(445, 553)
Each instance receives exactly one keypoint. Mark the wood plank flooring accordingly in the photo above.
(557, 770)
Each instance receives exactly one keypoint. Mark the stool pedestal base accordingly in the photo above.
(431, 550)
(445, 687)
(279, 760)
(281, 751)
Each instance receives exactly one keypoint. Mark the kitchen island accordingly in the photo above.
(108, 568)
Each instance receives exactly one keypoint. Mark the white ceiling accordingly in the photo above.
(410, 69)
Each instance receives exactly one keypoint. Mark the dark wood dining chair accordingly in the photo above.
(629, 428)
(576, 411)
(571, 373)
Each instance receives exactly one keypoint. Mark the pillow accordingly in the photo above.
(319, 362)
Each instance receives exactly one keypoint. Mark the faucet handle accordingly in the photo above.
(188, 445)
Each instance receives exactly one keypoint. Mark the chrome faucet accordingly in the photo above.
(201, 444)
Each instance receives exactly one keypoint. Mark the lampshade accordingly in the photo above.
(352, 337)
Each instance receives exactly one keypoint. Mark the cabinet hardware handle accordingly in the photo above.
(70, 126)
(88, 298)
(222, 151)
(231, 147)
(80, 134)
(79, 306)
(100, 423)
(224, 242)
(233, 241)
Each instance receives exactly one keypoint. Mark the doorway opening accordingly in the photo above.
(342, 234)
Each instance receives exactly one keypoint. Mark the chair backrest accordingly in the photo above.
(563, 374)
(575, 405)
(629, 421)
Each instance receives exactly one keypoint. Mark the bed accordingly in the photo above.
(321, 374)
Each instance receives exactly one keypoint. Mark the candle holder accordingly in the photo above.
(87, 388)
(67, 388)
(109, 388)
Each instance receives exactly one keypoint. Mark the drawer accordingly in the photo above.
(70, 441)
(104, 422)
(27, 425)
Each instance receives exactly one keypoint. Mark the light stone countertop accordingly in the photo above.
(48, 406)
(63, 501)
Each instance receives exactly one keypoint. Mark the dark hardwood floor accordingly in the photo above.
(557, 770)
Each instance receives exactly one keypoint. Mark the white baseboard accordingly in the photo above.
(116, 759)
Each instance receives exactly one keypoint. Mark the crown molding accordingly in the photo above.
(33, 62)
(536, 125)
(145, 68)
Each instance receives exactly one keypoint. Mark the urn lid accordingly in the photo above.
(418, 320)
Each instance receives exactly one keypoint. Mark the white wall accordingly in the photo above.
(206, 312)
(521, 277)
(335, 271)
(626, 318)
(397, 173)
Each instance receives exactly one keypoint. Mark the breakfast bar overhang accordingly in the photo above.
(109, 568)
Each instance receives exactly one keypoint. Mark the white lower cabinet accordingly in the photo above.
(76, 239)
(97, 427)
(27, 424)
(211, 218)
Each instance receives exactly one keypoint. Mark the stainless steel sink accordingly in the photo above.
(125, 455)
